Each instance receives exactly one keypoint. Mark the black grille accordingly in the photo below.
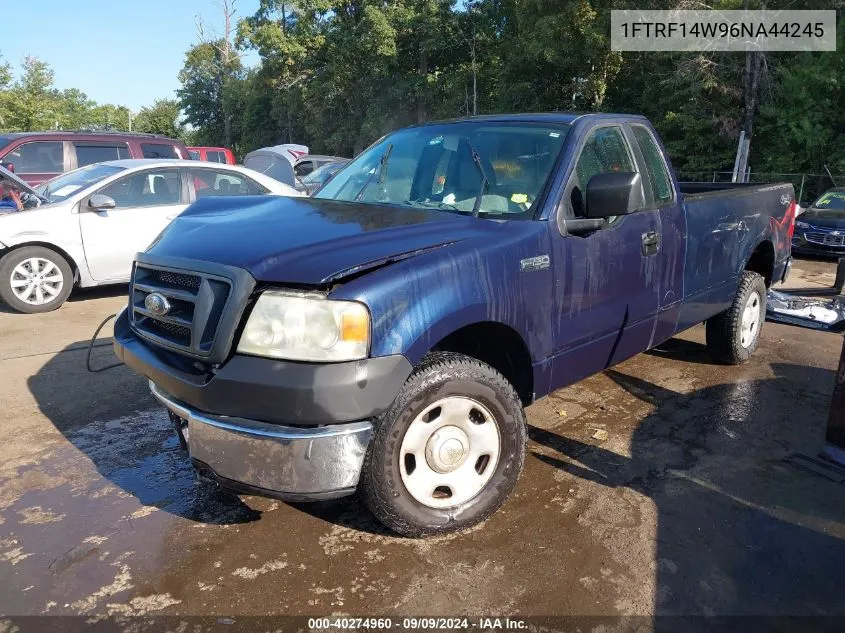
(826, 239)
(178, 280)
(195, 303)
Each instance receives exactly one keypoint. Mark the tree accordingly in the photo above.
(163, 117)
(35, 103)
(209, 76)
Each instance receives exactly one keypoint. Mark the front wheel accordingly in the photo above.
(448, 452)
(733, 335)
(34, 279)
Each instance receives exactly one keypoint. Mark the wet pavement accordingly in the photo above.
(687, 507)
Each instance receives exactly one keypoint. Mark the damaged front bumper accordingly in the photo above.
(284, 462)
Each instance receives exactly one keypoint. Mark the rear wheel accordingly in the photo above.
(733, 335)
(448, 452)
(34, 279)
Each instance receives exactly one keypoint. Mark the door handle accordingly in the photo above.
(651, 243)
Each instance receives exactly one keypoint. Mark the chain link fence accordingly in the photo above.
(808, 187)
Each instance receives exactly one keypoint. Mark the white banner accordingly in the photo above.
(678, 30)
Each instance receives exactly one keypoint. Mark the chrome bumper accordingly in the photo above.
(285, 462)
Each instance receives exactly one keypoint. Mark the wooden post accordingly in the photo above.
(835, 440)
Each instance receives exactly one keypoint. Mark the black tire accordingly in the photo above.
(11, 260)
(724, 331)
(440, 375)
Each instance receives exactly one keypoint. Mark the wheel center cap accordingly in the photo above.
(446, 449)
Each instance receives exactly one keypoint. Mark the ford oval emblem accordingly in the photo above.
(157, 304)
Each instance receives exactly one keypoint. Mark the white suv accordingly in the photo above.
(91, 222)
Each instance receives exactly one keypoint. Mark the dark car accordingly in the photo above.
(385, 333)
(40, 156)
(320, 176)
(821, 229)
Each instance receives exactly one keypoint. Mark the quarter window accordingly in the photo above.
(90, 154)
(303, 169)
(38, 157)
(158, 150)
(661, 186)
(213, 182)
(605, 150)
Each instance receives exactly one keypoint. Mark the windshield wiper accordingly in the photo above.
(484, 183)
(380, 169)
(434, 204)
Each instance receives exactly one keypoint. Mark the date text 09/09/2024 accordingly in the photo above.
(416, 623)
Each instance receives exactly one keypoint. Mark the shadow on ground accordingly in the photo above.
(739, 532)
(113, 420)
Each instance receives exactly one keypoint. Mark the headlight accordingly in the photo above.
(298, 326)
(802, 225)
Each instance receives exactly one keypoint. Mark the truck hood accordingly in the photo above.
(825, 218)
(307, 240)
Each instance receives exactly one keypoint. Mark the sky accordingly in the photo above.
(126, 52)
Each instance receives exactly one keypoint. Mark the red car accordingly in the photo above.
(39, 156)
(213, 154)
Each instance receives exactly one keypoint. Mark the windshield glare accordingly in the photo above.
(434, 166)
(831, 201)
(63, 187)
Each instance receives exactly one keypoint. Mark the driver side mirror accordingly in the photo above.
(614, 193)
(99, 202)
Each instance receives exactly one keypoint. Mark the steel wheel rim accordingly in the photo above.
(449, 452)
(36, 281)
(751, 317)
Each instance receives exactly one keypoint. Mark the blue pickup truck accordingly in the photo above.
(385, 334)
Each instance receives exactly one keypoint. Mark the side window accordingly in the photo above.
(146, 189)
(604, 151)
(38, 157)
(216, 157)
(661, 186)
(158, 150)
(303, 169)
(213, 182)
(88, 154)
(194, 154)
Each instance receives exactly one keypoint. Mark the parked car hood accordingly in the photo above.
(10, 180)
(823, 217)
(307, 240)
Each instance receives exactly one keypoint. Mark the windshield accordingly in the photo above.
(831, 201)
(321, 173)
(496, 168)
(63, 187)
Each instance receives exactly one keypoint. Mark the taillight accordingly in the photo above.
(790, 217)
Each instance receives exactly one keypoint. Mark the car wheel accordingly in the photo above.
(448, 452)
(34, 279)
(733, 335)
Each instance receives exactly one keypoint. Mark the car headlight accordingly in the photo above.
(802, 225)
(306, 326)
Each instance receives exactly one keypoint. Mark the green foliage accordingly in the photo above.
(163, 117)
(33, 103)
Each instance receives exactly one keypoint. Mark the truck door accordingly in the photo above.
(606, 293)
(662, 195)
